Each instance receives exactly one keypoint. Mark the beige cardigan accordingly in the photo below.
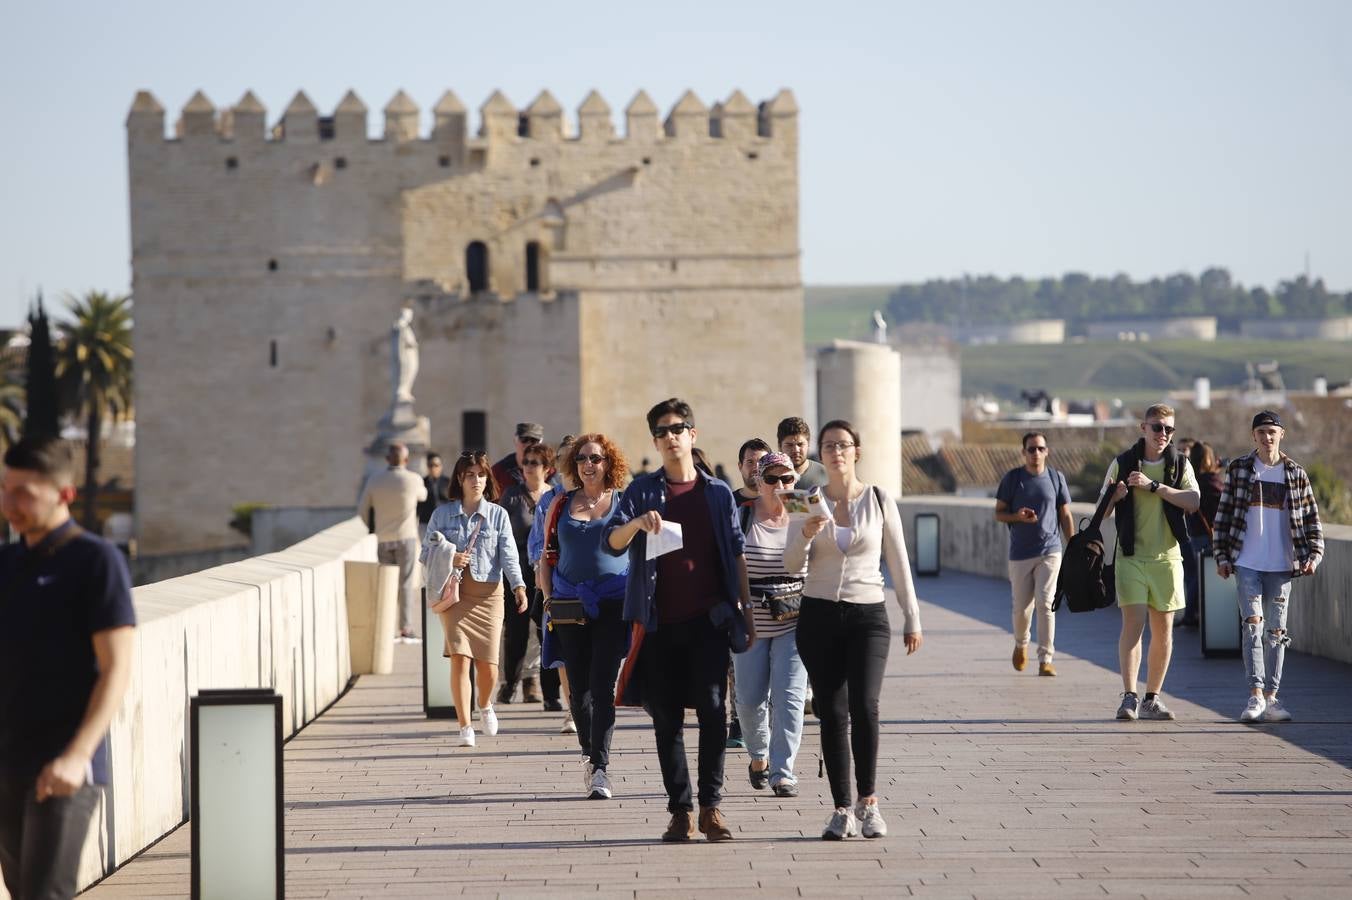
(856, 576)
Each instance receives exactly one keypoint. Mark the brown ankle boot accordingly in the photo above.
(681, 827)
(712, 823)
(530, 690)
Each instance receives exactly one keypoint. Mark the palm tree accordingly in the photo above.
(93, 367)
(11, 412)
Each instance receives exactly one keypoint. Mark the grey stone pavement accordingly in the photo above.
(994, 783)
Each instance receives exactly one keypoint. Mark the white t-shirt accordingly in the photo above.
(1267, 529)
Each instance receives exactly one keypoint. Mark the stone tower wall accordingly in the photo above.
(267, 271)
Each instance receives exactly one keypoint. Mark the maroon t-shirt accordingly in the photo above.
(688, 579)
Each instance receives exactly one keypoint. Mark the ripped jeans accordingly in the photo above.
(1263, 595)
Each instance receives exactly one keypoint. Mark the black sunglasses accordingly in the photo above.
(595, 459)
(673, 428)
(1036, 448)
(1161, 428)
(779, 479)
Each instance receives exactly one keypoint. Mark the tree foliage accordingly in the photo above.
(1077, 297)
(93, 369)
(43, 406)
(1331, 493)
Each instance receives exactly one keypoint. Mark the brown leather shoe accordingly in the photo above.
(530, 690)
(1020, 658)
(1046, 669)
(681, 828)
(712, 823)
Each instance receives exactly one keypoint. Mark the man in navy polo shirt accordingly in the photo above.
(66, 645)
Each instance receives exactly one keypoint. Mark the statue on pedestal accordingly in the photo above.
(400, 422)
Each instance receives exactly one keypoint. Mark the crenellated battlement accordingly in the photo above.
(500, 120)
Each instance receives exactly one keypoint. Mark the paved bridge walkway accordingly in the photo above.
(994, 784)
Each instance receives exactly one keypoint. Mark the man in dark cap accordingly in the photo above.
(1267, 532)
(507, 471)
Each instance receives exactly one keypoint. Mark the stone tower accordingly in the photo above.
(571, 276)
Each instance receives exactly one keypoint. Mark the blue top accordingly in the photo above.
(53, 604)
(495, 550)
(649, 492)
(535, 544)
(1044, 494)
(581, 558)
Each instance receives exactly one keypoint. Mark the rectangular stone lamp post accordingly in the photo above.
(436, 669)
(1218, 610)
(236, 794)
(926, 544)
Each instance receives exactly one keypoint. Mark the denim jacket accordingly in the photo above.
(649, 492)
(494, 552)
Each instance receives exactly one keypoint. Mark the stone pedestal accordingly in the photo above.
(372, 616)
(403, 425)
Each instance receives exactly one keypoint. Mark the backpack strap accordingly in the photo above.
(561, 502)
(746, 515)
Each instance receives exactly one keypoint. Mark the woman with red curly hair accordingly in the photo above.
(592, 650)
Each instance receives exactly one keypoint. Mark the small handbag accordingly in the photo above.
(565, 611)
(786, 607)
(450, 594)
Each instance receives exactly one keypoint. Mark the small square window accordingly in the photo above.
(231, 163)
(444, 162)
(534, 161)
(340, 162)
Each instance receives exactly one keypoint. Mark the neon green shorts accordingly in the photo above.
(1158, 582)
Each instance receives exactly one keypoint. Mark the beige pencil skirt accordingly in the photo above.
(473, 627)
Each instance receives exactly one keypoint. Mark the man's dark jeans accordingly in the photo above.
(687, 663)
(40, 843)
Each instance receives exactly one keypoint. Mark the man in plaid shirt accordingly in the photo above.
(1267, 532)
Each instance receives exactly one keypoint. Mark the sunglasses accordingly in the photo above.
(675, 428)
(779, 479)
(595, 459)
(1036, 448)
(836, 446)
(1161, 428)
(531, 463)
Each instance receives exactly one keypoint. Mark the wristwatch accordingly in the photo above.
(1154, 486)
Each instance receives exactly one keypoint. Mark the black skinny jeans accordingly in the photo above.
(686, 664)
(515, 631)
(844, 649)
(40, 843)
(592, 654)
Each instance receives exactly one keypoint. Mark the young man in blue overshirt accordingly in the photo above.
(66, 648)
(684, 657)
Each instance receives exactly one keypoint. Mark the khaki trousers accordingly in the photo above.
(1033, 582)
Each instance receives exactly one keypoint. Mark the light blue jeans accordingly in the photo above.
(1263, 595)
(771, 687)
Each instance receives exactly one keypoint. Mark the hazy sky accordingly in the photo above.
(938, 137)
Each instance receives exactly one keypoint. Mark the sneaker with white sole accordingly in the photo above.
(568, 726)
(587, 771)
(600, 786)
(1128, 708)
(490, 720)
(1154, 708)
(871, 822)
(1275, 712)
(467, 736)
(842, 825)
(1253, 710)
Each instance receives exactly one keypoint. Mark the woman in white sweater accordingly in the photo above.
(843, 629)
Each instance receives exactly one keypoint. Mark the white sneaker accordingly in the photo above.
(1253, 710)
(587, 773)
(600, 786)
(490, 720)
(871, 822)
(568, 726)
(1275, 712)
(842, 825)
(467, 736)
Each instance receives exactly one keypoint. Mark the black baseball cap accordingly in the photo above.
(1266, 417)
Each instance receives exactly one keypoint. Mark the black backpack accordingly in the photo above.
(1085, 581)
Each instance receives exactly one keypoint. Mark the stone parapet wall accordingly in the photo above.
(277, 621)
(1320, 622)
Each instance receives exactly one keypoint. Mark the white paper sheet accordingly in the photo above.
(666, 540)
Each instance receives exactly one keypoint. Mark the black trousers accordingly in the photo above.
(592, 654)
(686, 664)
(515, 632)
(40, 843)
(844, 649)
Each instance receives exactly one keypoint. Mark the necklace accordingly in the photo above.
(591, 504)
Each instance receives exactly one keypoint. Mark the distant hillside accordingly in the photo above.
(833, 311)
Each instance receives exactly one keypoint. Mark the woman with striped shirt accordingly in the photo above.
(771, 680)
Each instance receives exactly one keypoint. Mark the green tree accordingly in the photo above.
(43, 409)
(1331, 493)
(93, 367)
(11, 412)
(1085, 484)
